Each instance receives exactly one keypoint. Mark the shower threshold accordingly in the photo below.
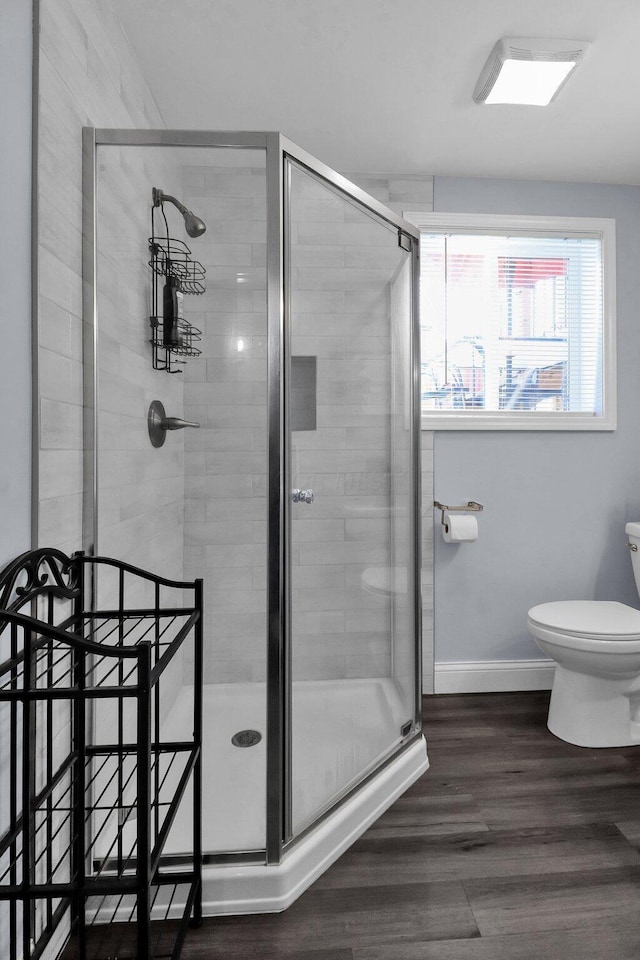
(324, 764)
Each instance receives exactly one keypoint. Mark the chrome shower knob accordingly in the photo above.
(158, 423)
(302, 496)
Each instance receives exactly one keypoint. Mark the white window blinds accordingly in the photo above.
(512, 324)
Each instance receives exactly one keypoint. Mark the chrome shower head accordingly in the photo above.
(194, 226)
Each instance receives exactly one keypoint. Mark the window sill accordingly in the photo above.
(528, 421)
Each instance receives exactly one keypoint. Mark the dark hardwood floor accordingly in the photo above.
(513, 846)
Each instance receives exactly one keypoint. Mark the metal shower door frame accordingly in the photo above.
(280, 151)
(291, 154)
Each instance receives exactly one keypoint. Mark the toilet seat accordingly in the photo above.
(604, 621)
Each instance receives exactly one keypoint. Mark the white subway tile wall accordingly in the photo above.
(414, 193)
(88, 76)
(327, 235)
(225, 390)
(140, 488)
(399, 194)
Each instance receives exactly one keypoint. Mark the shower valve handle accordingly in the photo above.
(158, 423)
(175, 423)
(302, 496)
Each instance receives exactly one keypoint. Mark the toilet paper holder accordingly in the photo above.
(470, 507)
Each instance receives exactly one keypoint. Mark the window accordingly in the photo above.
(518, 322)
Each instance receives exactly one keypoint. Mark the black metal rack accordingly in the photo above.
(94, 783)
(172, 258)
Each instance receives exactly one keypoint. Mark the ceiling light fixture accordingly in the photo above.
(527, 71)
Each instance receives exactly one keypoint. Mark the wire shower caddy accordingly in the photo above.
(172, 259)
(94, 783)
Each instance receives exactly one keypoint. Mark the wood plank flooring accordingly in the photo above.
(513, 846)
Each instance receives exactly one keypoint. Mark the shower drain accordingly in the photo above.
(246, 738)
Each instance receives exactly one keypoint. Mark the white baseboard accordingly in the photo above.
(493, 676)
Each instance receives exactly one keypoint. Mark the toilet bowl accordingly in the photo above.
(595, 700)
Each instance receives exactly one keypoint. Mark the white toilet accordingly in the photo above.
(595, 701)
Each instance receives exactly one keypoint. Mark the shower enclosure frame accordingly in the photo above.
(280, 152)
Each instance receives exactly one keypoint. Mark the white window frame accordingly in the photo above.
(601, 228)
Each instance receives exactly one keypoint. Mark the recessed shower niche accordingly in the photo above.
(307, 382)
(304, 397)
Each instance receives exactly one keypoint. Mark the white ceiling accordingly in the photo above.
(386, 85)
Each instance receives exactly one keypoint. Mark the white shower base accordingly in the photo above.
(342, 728)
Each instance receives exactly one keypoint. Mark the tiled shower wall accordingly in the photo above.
(342, 266)
(225, 528)
(140, 488)
(226, 392)
(403, 654)
(405, 195)
(88, 76)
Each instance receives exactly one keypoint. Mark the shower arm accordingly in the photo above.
(159, 196)
(194, 226)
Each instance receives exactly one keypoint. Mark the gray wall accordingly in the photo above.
(555, 503)
(15, 279)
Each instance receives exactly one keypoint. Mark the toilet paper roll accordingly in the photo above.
(459, 528)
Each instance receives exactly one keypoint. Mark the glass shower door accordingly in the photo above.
(351, 448)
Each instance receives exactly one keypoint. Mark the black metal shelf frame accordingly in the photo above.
(88, 820)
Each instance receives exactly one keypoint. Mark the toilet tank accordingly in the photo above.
(632, 531)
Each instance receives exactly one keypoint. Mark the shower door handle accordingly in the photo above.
(302, 496)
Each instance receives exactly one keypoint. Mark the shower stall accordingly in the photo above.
(296, 500)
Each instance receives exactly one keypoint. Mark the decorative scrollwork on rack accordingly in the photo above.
(45, 571)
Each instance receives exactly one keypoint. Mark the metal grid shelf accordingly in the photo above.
(88, 820)
(111, 931)
(163, 630)
(112, 804)
(54, 665)
(188, 336)
(172, 259)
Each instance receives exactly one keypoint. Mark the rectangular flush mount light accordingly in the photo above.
(527, 71)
